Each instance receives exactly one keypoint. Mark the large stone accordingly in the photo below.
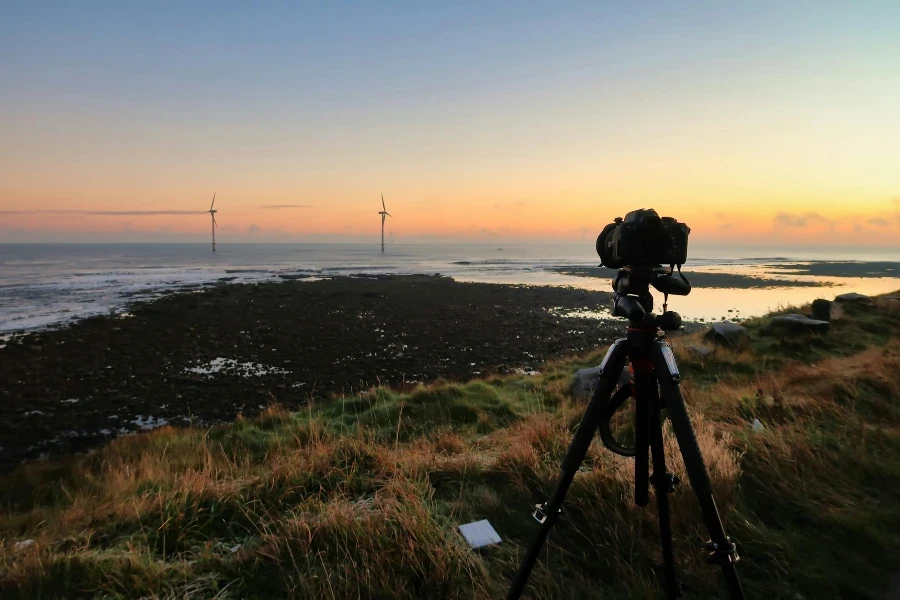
(826, 310)
(728, 334)
(797, 324)
(585, 381)
(700, 352)
(853, 298)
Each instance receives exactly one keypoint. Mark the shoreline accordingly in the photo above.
(828, 268)
(704, 280)
(67, 296)
(223, 350)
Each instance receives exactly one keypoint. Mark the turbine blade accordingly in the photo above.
(382, 203)
(214, 222)
(213, 202)
(388, 214)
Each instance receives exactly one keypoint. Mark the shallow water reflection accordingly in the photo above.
(713, 304)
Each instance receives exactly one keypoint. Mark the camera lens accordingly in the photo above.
(603, 242)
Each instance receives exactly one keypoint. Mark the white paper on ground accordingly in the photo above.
(479, 534)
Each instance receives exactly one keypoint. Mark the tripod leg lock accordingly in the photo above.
(665, 482)
(609, 354)
(539, 515)
(671, 365)
(722, 554)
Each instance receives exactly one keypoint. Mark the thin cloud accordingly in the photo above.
(101, 213)
(514, 206)
(280, 206)
(804, 220)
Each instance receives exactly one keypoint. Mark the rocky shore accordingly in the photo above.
(209, 355)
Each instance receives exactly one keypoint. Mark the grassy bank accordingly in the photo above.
(361, 496)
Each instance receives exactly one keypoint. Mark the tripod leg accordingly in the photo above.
(663, 483)
(723, 550)
(548, 513)
(645, 395)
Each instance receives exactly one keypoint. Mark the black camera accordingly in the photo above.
(643, 238)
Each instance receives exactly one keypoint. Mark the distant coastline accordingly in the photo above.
(824, 268)
(701, 279)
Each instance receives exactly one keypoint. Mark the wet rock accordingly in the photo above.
(730, 335)
(826, 310)
(854, 298)
(788, 324)
(585, 381)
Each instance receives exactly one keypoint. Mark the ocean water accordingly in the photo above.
(45, 285)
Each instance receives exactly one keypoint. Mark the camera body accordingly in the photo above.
(643, 238)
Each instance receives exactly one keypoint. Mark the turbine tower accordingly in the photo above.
(384, 214)
(212, 213)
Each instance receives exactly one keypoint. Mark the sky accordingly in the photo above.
(754, 122)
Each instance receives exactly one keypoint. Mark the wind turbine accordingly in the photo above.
(212, 213)
(384, 214)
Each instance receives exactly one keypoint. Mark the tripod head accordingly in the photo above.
(634, 302)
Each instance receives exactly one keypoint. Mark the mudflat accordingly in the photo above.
(208, 355)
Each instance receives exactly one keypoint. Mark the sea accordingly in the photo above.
(50, 285)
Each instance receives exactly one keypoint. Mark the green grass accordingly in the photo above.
(361, 496)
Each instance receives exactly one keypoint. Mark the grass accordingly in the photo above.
(361, 496)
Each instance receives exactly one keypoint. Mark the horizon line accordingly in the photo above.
(435, 243)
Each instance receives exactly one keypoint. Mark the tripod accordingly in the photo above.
(655, 387)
